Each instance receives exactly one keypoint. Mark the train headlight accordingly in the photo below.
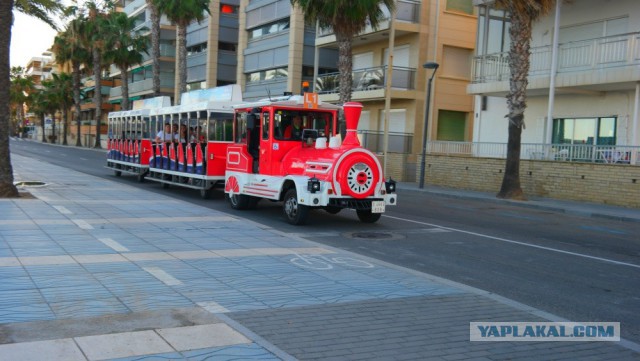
(313, 185)
(390, 186)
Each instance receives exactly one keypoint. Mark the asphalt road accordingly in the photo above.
(580, 268)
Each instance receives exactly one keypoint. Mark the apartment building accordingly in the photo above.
(440, 31)
(584, 81)
(40, 68)
(277, 51)
(141, 75)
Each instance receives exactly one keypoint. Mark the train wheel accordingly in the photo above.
(253, 202)
(238, 201)
(117, 172)
(367, 216)
(206, 193)
(141, 177)
(166, 185)
(332, 209)
(296, 213)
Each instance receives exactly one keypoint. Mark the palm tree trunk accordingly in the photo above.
(520, 33)
(7, 189)
(345, 67)
(43, 123)
(97, 94)
(155, 46)
(182, 60)
(76, 99)
(124, 76)
(65, 111)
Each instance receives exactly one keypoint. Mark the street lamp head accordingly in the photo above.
(431, 65)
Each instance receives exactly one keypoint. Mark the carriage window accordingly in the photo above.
(241, 128)
(221, 126)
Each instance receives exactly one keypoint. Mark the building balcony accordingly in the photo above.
(600, 64)
(139, 88)
(133, 7)
(367, 83)
(581, 153)
(407, 21)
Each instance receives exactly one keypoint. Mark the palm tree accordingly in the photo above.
(182, 13)
(96, 38)
(42, 9)
(155, 45)
(347, 18)
(19, 92)
(40, 107)
(125, 50)
(523, 14)
(68, 47)
(62, 85)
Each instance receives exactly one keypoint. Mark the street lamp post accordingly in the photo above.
(434, 66)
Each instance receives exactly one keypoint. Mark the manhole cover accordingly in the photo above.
(30, 184)
(374, 235)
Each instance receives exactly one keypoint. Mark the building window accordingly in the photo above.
(592, 131)
(268, 74)
(196, 49)
(497, 39)
(267, 29)
(458, 62)
(227, 46)
(228, 9)
(461, 6)
(197, 85)
(451, 125)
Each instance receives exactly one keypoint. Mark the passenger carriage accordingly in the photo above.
(128, 144)
(315, 170)
(195, 156)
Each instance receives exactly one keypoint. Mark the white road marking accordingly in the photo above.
(82, 223)
(63, 209)
(521, 243)
(113, 245)
(163, 276)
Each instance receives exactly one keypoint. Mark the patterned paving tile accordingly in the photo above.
(11, 298)
(26, 312)
(88, 308)
(75, 293)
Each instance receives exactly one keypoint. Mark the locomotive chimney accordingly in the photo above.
(352, 112)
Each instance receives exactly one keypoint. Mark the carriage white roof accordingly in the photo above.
(215, 99)
(287, 101)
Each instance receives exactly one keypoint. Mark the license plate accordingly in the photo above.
(377, 207)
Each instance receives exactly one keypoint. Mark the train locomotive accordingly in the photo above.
(307, 169)
(286, 149)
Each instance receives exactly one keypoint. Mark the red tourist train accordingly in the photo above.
(286, 149)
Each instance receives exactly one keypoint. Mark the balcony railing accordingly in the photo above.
(605, 52)
(613, 154)
(369, 79)
(406, 10)
(166, 81)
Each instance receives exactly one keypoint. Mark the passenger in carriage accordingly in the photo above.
(164, 135)
(294, 131)
(183, 133)
(175, 132)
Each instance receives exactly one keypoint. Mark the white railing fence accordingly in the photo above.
(612, 154)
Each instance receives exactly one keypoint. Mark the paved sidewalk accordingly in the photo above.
(91, 269)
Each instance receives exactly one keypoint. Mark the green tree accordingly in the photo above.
(523, 14)
(49, 99)
(155, 45)
(63, 95)
(19, 92)
(125, 48)
(40, 107)
(95, 36)
(347, 18)
(68, 47)
(43, 10)
(182, 13)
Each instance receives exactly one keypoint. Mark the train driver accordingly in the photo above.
(164, 135)
(294, 131)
